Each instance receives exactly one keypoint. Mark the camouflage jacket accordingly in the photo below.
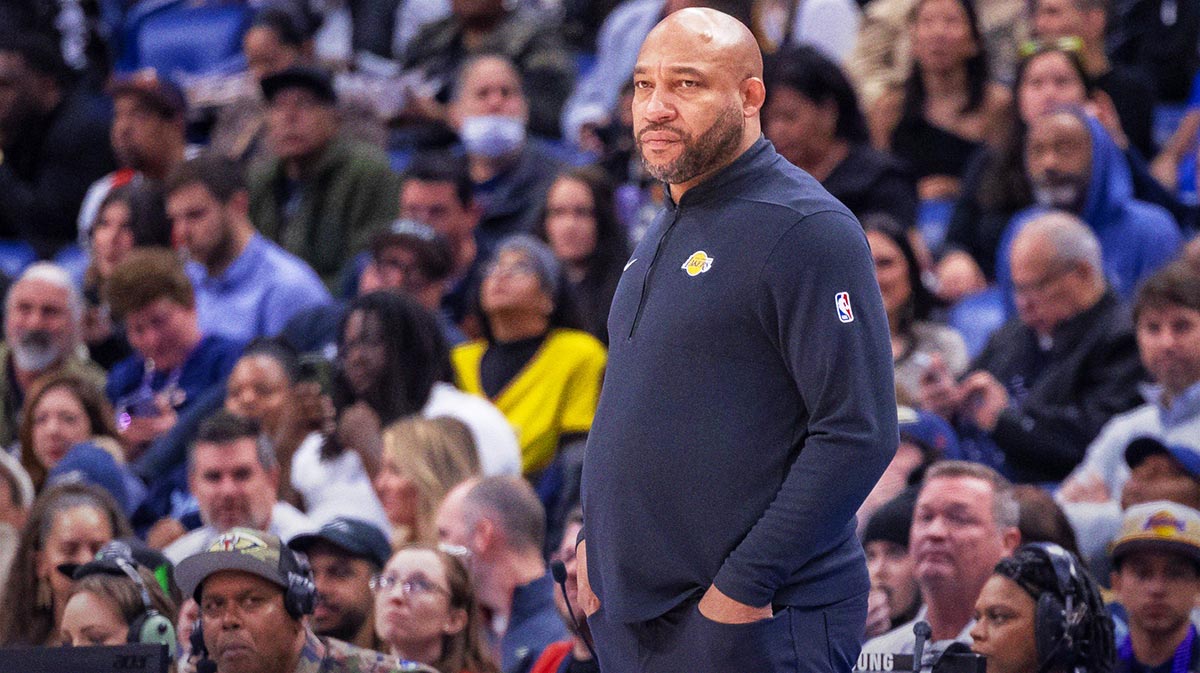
(326, 655)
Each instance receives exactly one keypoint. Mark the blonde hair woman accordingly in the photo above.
(423, 458)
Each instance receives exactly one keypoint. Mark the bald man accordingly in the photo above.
(748, 407)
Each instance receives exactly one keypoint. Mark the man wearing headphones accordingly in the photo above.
(254, 593)
(1156, 576)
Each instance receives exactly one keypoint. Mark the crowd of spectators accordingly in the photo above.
(352, 313)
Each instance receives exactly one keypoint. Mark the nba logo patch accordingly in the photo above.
(842, 301)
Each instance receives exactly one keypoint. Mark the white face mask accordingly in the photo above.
(492, 136)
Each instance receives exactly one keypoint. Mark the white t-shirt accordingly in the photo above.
(336, 487)
(342, 487)
(494, 438)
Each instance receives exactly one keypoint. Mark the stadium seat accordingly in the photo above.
(977, 316)
(186, 39)
(74, 259)
(933, 220)
(15, 256)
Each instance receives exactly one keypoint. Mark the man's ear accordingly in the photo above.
(1012, 539)
(484, 536)
(754, 94)
(239, 202)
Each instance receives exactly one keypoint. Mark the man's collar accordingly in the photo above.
(312, 654)
(1071, 330)
(713, 185)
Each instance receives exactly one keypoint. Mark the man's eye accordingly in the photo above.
(641, 84)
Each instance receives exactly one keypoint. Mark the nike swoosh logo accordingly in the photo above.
(629, 264)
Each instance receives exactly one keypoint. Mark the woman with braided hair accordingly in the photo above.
(1041, 612)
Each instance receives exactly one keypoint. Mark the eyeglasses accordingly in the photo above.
(413, 586)
(1031, 48)
(514, 269)
(1043, 284)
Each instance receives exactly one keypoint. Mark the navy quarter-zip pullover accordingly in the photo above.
(748, 405)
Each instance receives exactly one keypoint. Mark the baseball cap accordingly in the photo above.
(1161, 525)
(928, 431)
(131, 549)
(244, 549)
(431, 248)
(154, 90)
(893, 520)
(90, 464)
(355, 536)
(317, 81)
(1145, 446)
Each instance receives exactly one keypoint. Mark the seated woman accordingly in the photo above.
(423, 458)
(1020, 625)
(812, 117)
(543, 374)
(68, 523)
(579, 222)
(106, 599)
(130, 216)
(1051, 75)
(916, 340)
(947, 107)
(426, 611)
(61, 411)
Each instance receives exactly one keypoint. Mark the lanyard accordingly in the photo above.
(1183, 653)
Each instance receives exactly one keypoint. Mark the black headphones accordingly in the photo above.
(301, 595)
(1058, 622)
(150, 627)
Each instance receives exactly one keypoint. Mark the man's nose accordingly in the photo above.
(659, 106)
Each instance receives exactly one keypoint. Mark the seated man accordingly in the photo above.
(254, 594)
(345, 554)
(1073, 165)
(436, 189)
(573, 655)
(1049, 379)
(318, 195)
(174, 366)
(511, 172)
(55, 142)
(1166, 319)
(500, 521)
(234, 477)
(246, 286)
(964, 522)
(148, 136)
(43, 313)
(1156, 579)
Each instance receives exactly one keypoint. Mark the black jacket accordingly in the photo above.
(48, 168)
(748, 405)
(1063, 396)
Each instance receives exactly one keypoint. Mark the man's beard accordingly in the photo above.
(700, 155)
(36, 351)
(350, 622)
(1061, 192)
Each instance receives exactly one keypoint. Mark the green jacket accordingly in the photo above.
(348, 194)
(326, 655)
(13, 399)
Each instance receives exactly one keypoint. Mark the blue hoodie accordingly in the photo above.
(1136, 237)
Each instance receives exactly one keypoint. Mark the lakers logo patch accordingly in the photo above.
(698, 263)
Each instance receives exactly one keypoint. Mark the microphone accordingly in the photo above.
(558, 570)
(203, 664)
(922, 632)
